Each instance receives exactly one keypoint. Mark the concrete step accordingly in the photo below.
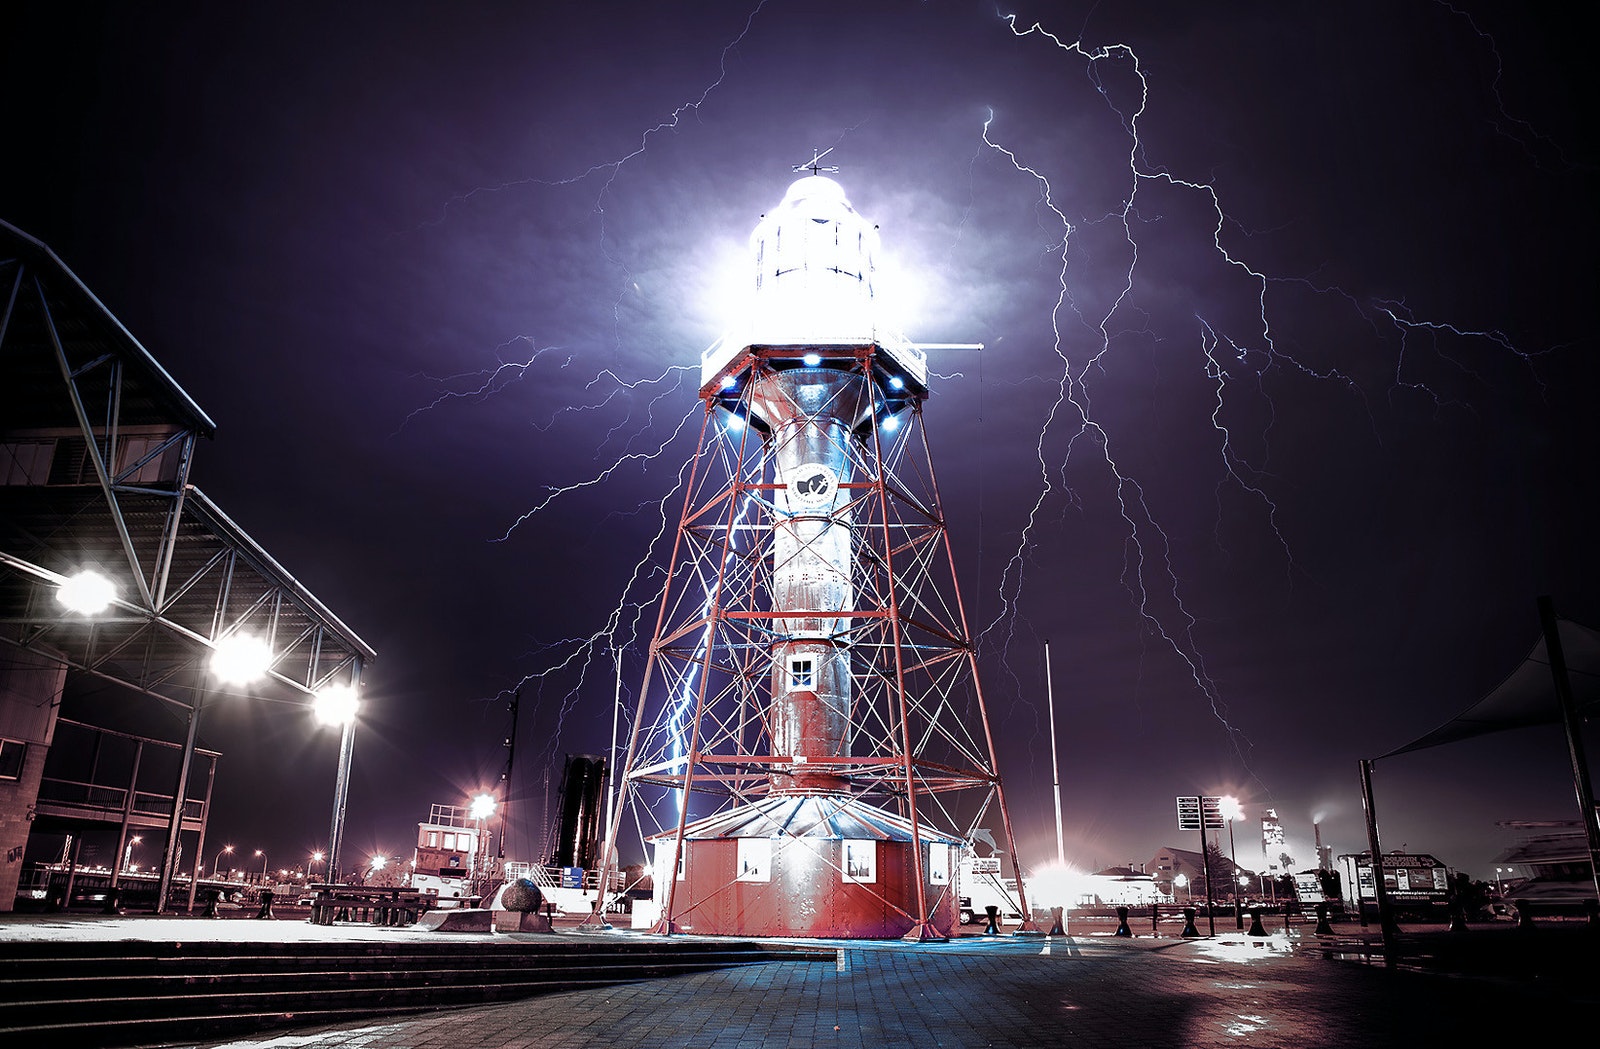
(129, 994)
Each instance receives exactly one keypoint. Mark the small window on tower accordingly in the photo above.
(802, 676)
(754, 859)
(860, 861)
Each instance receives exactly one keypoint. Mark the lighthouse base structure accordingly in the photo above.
(824, 867)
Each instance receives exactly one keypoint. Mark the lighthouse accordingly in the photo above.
(811, 753)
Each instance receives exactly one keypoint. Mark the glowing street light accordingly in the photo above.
(86, 593)
(1181, 880)
(263, 857)
(127, 854)
(228, 849)
(1232, 810)
(239, 659)
(336, 705)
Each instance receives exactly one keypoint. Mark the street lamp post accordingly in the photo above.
(263, 857)
(127, 854)
(1231, 809)
(338, 705)
(215, 864)
(1181, 880)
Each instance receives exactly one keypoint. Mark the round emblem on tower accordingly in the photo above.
(812, 486)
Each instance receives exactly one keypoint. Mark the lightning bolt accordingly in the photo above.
(1149, 574)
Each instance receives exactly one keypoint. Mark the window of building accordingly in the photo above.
(802, 675)
(433, 839)
(12, 752)
(755, 859)
(938, 863)
(26, 462)
(861, 861)
(130, 453)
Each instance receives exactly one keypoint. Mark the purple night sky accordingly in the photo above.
(1280, 483)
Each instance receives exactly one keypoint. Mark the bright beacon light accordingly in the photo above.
(86, 593)
(811, 360)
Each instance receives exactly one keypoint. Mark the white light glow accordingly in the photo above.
(239, 659)
(336, 705)
(87, 593)
(811, 360)
(891, 424)
(735, 423)
(1055, 885)
(483, 806)
(1230, 808)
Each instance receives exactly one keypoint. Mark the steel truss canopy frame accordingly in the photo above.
(96, 441)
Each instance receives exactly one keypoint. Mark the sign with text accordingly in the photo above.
(1197, 812)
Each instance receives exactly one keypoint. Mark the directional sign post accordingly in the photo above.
(1202, 814)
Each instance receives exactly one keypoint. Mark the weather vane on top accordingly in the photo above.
(815, 166)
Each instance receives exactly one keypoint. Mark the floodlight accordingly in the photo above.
(87, 592)
(336, 705)
(239, 659)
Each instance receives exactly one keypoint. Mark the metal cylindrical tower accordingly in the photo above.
(811, 747)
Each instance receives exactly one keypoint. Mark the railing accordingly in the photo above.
(113, 799)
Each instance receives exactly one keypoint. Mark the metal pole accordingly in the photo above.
(1569, 720)
(1386, 923)
(1233, 857)
(341, 784)
(169, 858)
(1205, 865)
(611, 755)
(1055, 765)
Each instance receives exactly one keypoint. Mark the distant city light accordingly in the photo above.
(87, 593)
(239, 659)
(336, 705)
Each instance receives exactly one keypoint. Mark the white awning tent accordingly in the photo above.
(1558, 683)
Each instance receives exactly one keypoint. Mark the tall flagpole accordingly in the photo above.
(1055, 765)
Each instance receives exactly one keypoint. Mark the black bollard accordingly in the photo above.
(1592, 909)
(1057, 929)
(1256, 928)
(211, 906)
(1458, 917)
(1155, 919)
(1122, 922)
(1188, 923)
(266, 905)
(1524, 915)
(993, 928)
(113, 902)
(1323, 927)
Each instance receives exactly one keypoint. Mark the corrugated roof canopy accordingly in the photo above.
(1527, 696)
